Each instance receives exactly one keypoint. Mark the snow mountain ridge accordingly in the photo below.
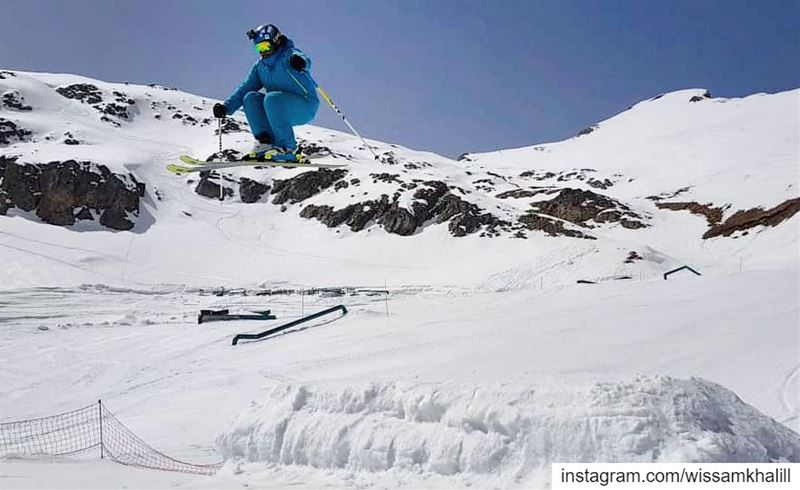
(631, 196)
(487, 361)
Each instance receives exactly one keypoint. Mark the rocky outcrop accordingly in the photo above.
(553, 227)
(713, 215)
(745, 220)
(586, 208)
(305, 185)
(13, 100)
(586, 175)
(210, 188)
(90, 94)
(83, 92)
(61, 193)
(740, 221)
(10, 132)
(433, 203)
(250, 190)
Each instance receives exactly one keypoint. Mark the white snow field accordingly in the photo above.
(486, 361)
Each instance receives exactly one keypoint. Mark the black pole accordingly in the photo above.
(100, 412)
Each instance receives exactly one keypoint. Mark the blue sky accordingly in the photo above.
(447, 76)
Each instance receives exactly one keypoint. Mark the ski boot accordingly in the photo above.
(259, 151)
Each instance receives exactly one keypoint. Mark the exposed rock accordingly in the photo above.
(7, 74)
(433, 202)
(227, 155)
(162, 87)
(11, 133)
(553, 227)
(588, 130)
(356, 216)
(713, 215)
(84, 214)
(524, 193)
(84, 92)
(464, 157)
(388, 158)
(632, 257)
(537, 175)
(305, 185)
(251, 190)
(744, 220)
(387, 178)
(90, 94)
(56, 189)
(581, 207)
(669, 195)
(230, 125)
(312, 149)
(13, 100)
(208, 187)
(70, 140)
(698, 98)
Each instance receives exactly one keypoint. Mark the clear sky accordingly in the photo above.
(449, 76)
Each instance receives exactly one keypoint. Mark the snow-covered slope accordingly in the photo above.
(599, 205)
(486, 361)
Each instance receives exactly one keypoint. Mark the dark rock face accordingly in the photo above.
(230, 125)
(744, 220)
(713, 215)
(356, 216)
(11, 133)
(208, 186)
(305, 185)
(588, 130)
(310, 148)
(699, 98)
(250, 190)
(553, 227)
(84, 92)
(434, 203)
(70, 140)
(583, 207)
(90, 94)
(13, 100)
(7, 74)
(227, 155)
(56, 189)
(633, 256)
(582, 175)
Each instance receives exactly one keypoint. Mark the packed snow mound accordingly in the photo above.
(501, 430)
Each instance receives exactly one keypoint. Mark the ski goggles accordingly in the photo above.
(263, 47)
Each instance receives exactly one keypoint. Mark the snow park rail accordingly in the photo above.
(85, 429)
(265, 333)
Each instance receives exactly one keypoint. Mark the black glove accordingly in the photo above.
(220, 111)
(297, 62)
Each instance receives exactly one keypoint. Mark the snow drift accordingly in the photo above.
(504, 431)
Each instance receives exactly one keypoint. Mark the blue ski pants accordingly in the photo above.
(272, 115)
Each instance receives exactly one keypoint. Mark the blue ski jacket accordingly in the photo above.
(274, 74)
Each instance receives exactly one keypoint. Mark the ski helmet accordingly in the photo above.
(266, 38)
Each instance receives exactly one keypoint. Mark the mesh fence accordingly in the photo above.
(89, 428)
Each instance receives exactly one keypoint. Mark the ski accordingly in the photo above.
(205, 166)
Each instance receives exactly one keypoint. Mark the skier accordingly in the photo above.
(283, 71)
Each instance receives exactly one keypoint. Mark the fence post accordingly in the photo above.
(100, 413)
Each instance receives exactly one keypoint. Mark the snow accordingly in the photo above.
(499, 434)
(486, 361)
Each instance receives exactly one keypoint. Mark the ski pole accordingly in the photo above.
(219, 130)
(328, 99)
